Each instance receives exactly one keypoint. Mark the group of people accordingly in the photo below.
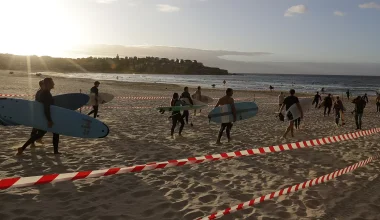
(44, 96)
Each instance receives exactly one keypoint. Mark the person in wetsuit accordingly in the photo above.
(37, 98)
(378, 103)
(328, 104)
(226, 100)
(176, 115)
(95, 91)
(348, 94)
(338, 108)
(359, 110)
(47, 100)
(316, 100)
(187, 95)
(288, 102)
(365, 98)
(198, 96)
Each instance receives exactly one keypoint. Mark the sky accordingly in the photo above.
(342, 31)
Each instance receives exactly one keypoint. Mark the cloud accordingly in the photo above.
(167, 8)
(370, 5)
(297, 9)
(339, 13)
(105, 1)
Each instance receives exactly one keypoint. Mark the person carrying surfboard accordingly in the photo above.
(94, 90)
(37, 98)
(226, 100)
(47, 100)
(187, 95)
(288, 102)
(176, 115)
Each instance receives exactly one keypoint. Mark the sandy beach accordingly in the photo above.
(142, 135)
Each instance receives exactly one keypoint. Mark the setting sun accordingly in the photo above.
(40, 27)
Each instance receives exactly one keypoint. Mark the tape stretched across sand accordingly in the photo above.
(294, 188)
(52, 178)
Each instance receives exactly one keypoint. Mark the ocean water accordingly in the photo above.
(358, 85)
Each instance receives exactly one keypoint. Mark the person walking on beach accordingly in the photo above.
(365, 98)
(316, 100)
(226, 100)
(47, 100)
(271, 88)
(288, 102)
(348, 94)
(187, 95)
(281, 99)
(338, 109)
(328, 104)
(176, 115)
(94, 90)
(378, 103)
(359, 110)
(37, 98)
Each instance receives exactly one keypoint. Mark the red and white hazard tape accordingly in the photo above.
(52, 178)
(142, 97)
(120, 107)
(14, 95)
(291, 189)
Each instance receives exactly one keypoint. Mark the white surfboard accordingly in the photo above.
(102, 98)
(305, 105)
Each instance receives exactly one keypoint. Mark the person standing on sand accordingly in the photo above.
(176, 115)
(94, 90)
(359, 110)
(328, 104)
(288, 102)
(187, 95)
(348, 94)
(378, 103)
(226, 100)
(338, 108)
(281, 99)
(317, 99)
(47, 100)
(224, 82)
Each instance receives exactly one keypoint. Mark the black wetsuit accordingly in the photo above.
(176, 117)
(186, 112)
(95, 109)
(338, 107)
(359, 109)
(328, 105)
(316, 100)
(47, 100)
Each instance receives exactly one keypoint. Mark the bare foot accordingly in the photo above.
(19, 151)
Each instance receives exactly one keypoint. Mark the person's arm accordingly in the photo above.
(190, 99)
(233, 109)
(217, 104)
(46, 103)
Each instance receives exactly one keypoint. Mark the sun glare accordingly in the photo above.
(36, 27)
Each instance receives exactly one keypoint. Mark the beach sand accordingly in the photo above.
(139, 136)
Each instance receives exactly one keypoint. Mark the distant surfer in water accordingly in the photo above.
(328, 104)
(176, 115)
(37, 98)
(187, 95)
(338, 108)
(317, 99)
(94, 90)
(288, 102)
(226, 100)
(47, 100)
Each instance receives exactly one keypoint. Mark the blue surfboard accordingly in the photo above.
(71, 101)
(223, 114)
(66, 122)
